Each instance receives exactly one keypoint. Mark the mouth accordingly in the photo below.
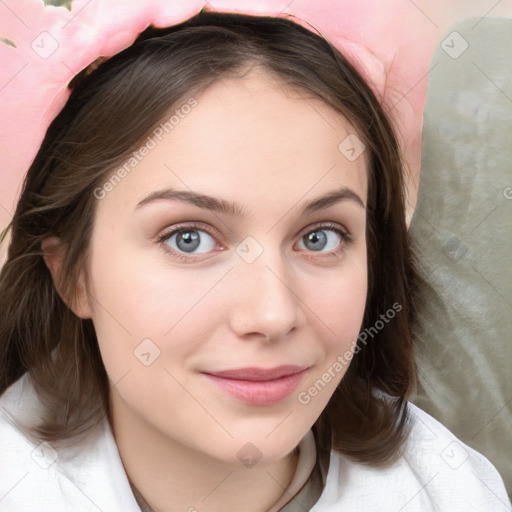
(258, 386)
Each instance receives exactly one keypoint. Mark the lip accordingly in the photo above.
(258, 386)
(259, 374)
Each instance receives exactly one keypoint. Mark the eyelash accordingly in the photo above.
(344, 235)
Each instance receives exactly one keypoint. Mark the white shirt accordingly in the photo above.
(437, 472)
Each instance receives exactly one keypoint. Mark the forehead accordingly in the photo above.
(253, 135)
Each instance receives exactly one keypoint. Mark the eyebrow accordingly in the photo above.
(236, 210)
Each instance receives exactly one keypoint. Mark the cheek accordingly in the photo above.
(341, 308)
(138, 297)
(343, 302)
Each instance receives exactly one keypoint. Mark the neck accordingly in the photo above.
(172, 477)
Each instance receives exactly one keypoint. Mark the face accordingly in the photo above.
(182, 287)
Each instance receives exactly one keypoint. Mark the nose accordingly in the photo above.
(264, 302)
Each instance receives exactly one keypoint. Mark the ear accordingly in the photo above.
(54, 254)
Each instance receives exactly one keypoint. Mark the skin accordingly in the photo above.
(270, 149)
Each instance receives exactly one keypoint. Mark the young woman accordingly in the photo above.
(209, 292)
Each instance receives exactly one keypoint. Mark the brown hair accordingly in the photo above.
(110, 111)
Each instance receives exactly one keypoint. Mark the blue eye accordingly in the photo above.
(183, 242)
(326, 238)
(188, 240)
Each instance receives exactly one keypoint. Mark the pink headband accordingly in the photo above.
(43, 47)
